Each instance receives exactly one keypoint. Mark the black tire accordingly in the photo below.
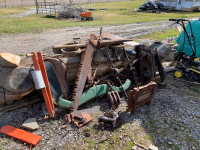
(82, 19)
(90, 19)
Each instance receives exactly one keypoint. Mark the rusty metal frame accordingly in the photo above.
(141, 95)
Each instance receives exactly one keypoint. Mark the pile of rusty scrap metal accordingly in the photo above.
(81, 71)
(137, 72)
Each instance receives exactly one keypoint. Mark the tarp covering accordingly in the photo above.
(184, 45)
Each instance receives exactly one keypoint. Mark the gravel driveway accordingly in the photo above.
(25, 43)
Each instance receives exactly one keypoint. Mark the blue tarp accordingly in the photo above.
(185, 46)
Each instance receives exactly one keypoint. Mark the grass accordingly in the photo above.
(10, 11)
(37, 23)
(160, 35)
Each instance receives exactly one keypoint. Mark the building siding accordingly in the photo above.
(186, 5)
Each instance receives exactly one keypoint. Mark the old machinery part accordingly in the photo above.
(67, 48)
(161, 71)
(107, 35)
(82, 75)
(116, 71)
(92, 93)
(84, 67)
(39, 65)
(114, 99)
(131, 68)
(141, 95)
(146, 65)
(79, 119)
(110, 119)
(61, 72)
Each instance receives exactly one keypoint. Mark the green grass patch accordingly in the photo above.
(160, 35)
(10, 11)
(90, 143)
(113, 16)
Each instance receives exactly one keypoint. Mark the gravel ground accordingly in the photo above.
(172, 121)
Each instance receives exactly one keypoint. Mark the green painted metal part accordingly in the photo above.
(92, 93)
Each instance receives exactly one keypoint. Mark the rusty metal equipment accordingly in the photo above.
(141, 95)
(116, 72)
(146, 77)
(114, 99)
(148, 63)
(84, 68)
(110, 119)
(60, 70)
(79, 119)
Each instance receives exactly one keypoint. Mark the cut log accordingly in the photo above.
(9, 60)
(14, 84)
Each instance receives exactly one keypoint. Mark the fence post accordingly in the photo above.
(36, 5)
(22, 3)
(5, 4)
(70, 2)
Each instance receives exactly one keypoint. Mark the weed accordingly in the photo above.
(192, 141)
(90, 143)
(1, 147)
(129, 145)
(149, 137)
(52, 121)
(152, 124)
(175, 147)
(21, 54)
